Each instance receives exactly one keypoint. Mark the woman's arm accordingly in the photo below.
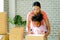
(47, 23)
(28, 23)
(48, 27)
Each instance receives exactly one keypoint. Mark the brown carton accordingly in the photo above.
(16, 33)
(3, 23)
(35, 37)
(4, 37)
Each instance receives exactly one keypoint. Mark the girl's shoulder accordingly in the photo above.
(42, 26)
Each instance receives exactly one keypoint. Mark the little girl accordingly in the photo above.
(37, 28)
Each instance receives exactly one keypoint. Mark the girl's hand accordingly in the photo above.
(40, 32)
(30, 33)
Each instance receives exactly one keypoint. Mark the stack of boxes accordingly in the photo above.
(3, 26)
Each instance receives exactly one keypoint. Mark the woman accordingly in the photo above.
(37, 9)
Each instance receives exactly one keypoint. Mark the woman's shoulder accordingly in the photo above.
(43, 12)
(30, 13)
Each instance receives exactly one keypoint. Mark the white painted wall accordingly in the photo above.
(1, 5)
(11, 11)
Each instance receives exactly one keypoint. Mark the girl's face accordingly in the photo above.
(36, 9)
(37, 24)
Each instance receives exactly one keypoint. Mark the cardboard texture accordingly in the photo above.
(35, 37)
(4, 37)
(3, 23)
(16, 33)
(59, 35)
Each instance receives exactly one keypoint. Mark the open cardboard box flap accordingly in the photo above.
(35, 35)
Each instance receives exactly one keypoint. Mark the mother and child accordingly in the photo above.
(37, 21)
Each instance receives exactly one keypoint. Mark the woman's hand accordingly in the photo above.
(46, 34)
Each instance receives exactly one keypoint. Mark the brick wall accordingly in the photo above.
(6, 9)
(6, 6)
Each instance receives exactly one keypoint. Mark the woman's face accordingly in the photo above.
(36, 9)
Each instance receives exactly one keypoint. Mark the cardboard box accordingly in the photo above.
(35, 37)
(59, 35)
(3, 23)
(4, 37)
(16, 33)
